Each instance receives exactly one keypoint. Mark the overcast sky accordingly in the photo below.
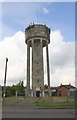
(60, 18)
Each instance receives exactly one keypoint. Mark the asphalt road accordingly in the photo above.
(30, 111)
(0, 112)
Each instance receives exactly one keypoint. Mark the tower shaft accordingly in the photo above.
(37, 65)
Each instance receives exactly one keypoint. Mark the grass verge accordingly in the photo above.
(56, 105)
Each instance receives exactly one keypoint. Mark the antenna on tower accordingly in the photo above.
(37, 15)
(45, 23)
(31, 22)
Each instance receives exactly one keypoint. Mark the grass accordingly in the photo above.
(55, 102)
(13, 99)
(57, 99)
(10, 99)
(55, 105)
(46, 100)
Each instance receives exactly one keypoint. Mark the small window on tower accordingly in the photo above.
(37, 71)
(37, 81)
(37, 45)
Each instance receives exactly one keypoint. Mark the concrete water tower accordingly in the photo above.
(37, 36)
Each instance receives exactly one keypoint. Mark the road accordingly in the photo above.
(30, 111)
(0, 111)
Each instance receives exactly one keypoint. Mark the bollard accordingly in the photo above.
(16, 97)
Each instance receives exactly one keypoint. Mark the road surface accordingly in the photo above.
(30, 111)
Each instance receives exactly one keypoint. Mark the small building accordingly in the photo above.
(63, 90)
(54, 91)
(73, 92)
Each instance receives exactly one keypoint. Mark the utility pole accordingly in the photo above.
(4, 94)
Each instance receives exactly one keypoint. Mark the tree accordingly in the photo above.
(11, 90)
(20, 87)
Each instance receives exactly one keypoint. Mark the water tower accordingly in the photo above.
(37, 36)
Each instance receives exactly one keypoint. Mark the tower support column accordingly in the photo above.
(42, 69)
(28, 69)
(32, 66)
(48, 71)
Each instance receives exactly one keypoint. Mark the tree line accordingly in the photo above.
(11, 90)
